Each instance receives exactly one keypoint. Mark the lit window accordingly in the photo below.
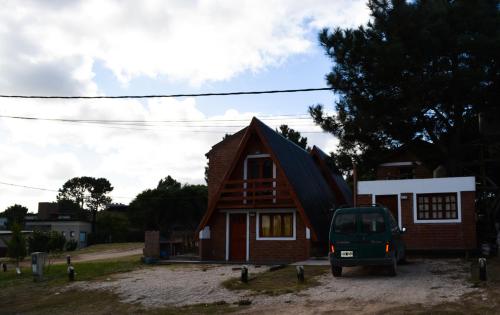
(276, 225)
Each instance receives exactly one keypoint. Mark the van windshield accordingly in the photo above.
(345, 223)
(372, 223)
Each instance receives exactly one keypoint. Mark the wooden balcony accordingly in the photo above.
(255, 193)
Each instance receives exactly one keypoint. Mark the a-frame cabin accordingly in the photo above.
(269, 201)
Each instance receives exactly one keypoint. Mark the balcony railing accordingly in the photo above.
(255, 192)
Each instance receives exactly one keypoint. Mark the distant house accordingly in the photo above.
(269, 199)
(71, 229)
(438, 212)
(51, 217)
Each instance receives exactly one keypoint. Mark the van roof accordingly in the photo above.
(361, 209)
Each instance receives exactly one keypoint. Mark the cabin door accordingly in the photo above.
(391, 202)
(237, 236)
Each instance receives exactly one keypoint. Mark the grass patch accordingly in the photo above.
(107, 247)
(278, 282)
(57, 274)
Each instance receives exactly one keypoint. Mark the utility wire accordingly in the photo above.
(167, 95)
(269, 117)
(28, 187)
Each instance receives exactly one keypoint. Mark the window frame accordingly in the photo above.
(458, 204)
(276, 238)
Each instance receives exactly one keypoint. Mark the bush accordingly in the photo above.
(71, 245)
(41, 241)
(16, 246)
(38, 242)
(56, 241)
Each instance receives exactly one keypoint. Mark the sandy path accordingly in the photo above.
(360, 289)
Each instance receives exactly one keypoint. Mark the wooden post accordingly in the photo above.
(300, 274)
(244, 274)
(355, 183)
(482, 269)
(71, 273)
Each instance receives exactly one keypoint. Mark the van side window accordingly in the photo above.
(372, 223)
(345, 223)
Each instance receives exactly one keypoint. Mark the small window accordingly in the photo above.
(345, 223)
(372, 223)
(276, 225)
(437, 206)
(83, 237)
(72, 234)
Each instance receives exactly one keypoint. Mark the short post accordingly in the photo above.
(482, 269)
(244, 274)
(300, 274)
(71, 273)
(4, 267)
(68, 260)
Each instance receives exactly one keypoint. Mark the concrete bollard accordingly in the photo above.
(300, 274)
(71, 273)
(482, 269)
(4, 267)
(244, 274)
(68, 260)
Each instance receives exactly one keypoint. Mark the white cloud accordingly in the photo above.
(50, 47)
(132, 157)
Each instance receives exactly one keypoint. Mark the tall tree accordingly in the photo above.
(419, 70)
(16, 246)
(293, 136)
(88, 192)
(15, 215)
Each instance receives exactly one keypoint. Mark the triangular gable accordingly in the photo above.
(313, 197)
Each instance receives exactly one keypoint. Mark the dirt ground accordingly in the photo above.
(363, 290)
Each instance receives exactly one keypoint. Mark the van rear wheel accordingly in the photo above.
(336, 271)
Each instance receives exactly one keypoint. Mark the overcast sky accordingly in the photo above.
(109, 47)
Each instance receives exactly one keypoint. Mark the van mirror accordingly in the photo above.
(403, 229)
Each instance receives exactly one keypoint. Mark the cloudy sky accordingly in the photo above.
(111, 47)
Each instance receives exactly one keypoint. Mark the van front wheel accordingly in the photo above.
(336, 271)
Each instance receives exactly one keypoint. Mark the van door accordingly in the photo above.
(344, 235)
(373, 235)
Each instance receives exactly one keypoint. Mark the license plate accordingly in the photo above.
(346, 253)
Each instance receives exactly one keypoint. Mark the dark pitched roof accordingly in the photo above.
(335, 174)
(309, 185)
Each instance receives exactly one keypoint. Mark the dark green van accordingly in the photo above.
(364, 236)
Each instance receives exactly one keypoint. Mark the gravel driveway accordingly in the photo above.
(421, 281)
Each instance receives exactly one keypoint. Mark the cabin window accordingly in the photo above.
(276, 225)
(437, 206)
(260, 168)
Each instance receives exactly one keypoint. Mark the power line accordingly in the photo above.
(167, 95)
(277, 117)
(28, 187)
(188, 125)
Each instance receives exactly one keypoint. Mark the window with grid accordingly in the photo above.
(276, 225)
(437, 206)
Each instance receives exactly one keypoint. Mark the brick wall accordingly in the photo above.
(219, 160)
(262, 251)
(215, 247)
(152, 244)
(437, 236)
